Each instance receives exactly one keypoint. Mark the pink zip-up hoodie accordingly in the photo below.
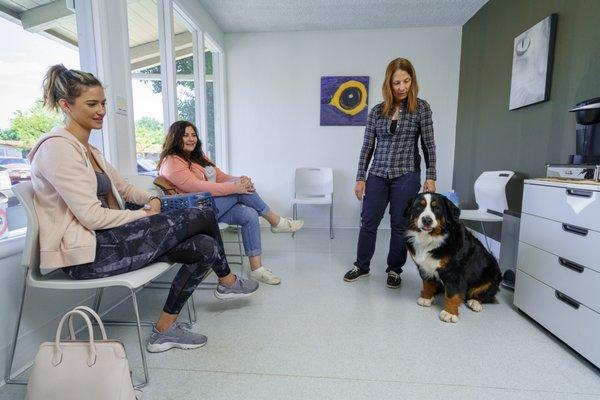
(191, 179)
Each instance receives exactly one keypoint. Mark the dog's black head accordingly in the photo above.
(432, 213)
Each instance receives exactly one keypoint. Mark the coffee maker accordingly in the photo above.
(587, 132)
(585, 164)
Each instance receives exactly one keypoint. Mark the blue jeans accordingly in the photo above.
(243, 210)
(378, 193)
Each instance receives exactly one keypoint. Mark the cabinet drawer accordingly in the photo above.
(579, 207)
(576, 281)
(580, 246)
(577, 326)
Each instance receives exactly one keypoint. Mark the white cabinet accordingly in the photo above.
(558, 266)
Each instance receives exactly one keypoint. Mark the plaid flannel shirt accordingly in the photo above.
(397, 153)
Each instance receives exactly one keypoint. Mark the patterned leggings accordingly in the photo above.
(189, 236)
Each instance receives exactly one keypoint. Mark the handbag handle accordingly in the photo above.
(93, 314)
(57, 357)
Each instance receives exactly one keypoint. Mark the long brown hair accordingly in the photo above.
(68, 84)
(173, 146)
(388, 95)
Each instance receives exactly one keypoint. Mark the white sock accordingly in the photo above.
(257, 269)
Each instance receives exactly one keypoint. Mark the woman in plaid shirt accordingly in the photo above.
(393, 132)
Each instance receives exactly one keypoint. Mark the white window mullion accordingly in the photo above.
(90, 56)
(166, 39)
(221, 139)
(201, 109)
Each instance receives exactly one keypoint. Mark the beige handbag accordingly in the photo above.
(77, 369)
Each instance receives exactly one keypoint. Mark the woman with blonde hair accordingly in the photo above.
(394, 129)
(85, 229)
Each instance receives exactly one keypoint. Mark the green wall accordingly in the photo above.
(488, 135)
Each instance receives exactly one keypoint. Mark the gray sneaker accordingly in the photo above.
(176, 336)
(241, 288)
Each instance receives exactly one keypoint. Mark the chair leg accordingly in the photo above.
(194, 308)
(331, 220)
(142, 349)
(190, 311)
(98, 299)
(294, 215)
(239, 241)
(485, 237)
(13, 345)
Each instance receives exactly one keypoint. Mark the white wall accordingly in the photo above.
(274, 94)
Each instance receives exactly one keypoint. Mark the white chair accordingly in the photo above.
(134, 281)
(314, 186)
(490, 196)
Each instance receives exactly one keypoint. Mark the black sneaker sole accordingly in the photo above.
(357, 278)
(393, 286)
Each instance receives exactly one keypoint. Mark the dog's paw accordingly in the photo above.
(423, 302)
(474, 305)
(447, 317)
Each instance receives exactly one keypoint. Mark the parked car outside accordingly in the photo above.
(146, 166)
(18, 168)
(5, 183)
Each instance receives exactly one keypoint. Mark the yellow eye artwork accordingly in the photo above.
(344, 100)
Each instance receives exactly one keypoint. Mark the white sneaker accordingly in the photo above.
(265, 276)
(287, 225)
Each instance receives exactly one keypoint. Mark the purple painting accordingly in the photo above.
(344, 100)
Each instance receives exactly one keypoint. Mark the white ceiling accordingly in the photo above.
(301, 15)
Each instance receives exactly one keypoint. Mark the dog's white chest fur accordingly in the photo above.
(423, 243)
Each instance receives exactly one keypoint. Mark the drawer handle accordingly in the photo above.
(579, 192)
(571, 265)
(575, 229)
(566, 299)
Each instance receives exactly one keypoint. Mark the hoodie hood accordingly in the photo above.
(56, 132)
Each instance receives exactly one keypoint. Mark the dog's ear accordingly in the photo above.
(453, 211)
(408, 208)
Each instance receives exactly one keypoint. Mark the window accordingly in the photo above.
(23, 62)
(146, 83)
(185, 63)
(210, 104)
(213, 64)
(157, 103)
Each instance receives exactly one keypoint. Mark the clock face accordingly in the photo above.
(522, 45)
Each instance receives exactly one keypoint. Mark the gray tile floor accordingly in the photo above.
(317, 337)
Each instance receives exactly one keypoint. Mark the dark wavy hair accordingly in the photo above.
(173, 146)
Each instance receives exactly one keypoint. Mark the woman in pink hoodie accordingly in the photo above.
(85, 229)
(184, 164)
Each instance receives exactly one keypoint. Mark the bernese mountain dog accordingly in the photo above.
(449, 257)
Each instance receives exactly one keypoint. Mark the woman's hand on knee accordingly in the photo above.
(248, 183)
(359, 190)
(242, 187)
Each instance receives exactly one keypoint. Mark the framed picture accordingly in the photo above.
(344, 100)
(533, 52)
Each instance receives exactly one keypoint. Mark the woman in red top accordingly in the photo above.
(184, 164)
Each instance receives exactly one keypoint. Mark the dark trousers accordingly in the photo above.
(379, 192)
(190, 236)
